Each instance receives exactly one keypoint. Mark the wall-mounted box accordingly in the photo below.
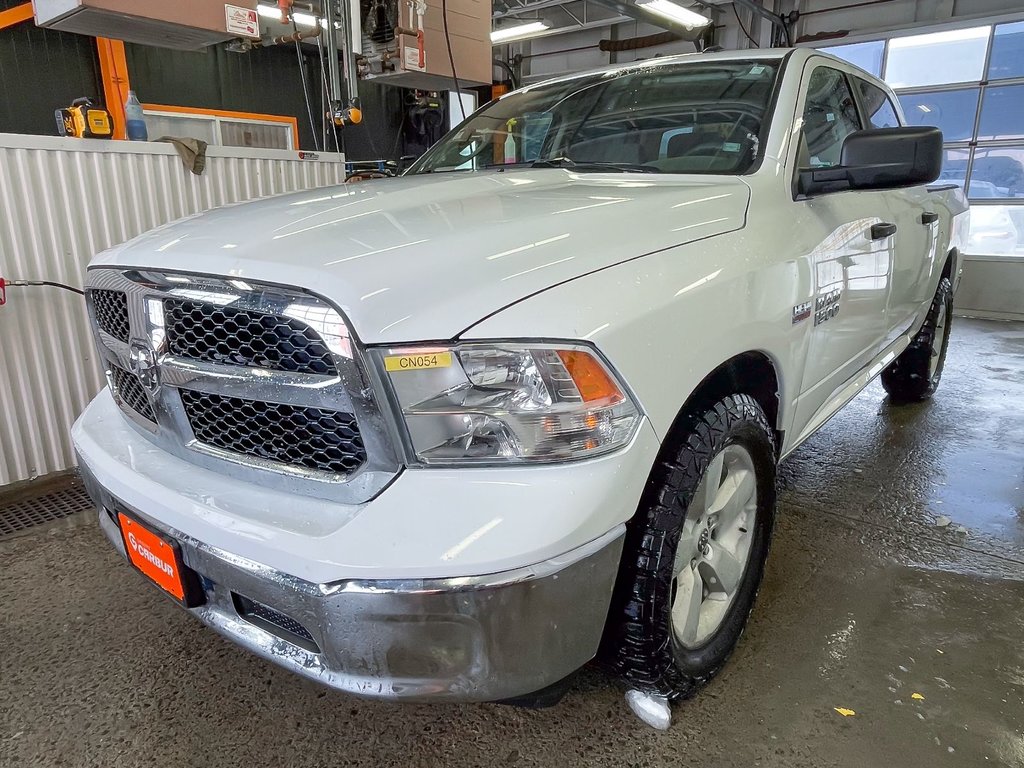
(394, 58)
(181, 24)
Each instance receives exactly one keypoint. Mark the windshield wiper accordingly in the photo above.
(588, 165)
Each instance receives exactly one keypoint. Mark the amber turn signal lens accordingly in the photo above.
(590, 377)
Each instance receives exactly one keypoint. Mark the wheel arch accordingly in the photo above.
(952, 260)
(752, 373)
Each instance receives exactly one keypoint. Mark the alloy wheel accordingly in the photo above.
(714, 546)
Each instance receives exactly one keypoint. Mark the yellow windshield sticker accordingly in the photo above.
(419, 362)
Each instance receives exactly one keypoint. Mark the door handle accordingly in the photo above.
(882, 231)
(929, 217)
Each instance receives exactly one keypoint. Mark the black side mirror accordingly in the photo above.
(880, 158)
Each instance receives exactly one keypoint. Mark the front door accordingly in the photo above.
(848, 258)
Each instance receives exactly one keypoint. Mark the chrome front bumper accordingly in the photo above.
(483, 638)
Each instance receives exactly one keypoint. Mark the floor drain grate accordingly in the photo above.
(27, 513)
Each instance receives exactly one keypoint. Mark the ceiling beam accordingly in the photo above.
(760, 10)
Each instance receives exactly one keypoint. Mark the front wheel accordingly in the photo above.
(695, 551)
(915, 374)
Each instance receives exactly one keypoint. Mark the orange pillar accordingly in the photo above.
(15, 15)
(114, 73)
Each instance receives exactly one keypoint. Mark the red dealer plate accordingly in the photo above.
(154, 555)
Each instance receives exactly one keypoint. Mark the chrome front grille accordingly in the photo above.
(130, 393)
(266, 379)
(110, 310)
(314, 438)
(223, 334)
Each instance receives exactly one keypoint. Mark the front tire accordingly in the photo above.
(695, 551)
(914, 375)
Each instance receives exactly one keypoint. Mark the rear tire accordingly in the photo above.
(695, 551)
(915, 374)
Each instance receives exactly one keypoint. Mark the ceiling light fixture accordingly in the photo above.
(669, 10)
(302, 19)
(519, 31)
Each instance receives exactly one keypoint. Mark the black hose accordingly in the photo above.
(785, 30)
(742, 28)
(511, 72)
(50, 283)
(303, 74)
(451, 57)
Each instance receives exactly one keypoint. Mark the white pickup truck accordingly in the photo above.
(453, 435)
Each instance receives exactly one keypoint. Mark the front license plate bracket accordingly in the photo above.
(159, 558)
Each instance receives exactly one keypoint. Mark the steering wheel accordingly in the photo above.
(366, 175)
(460, 158)
(703, 148)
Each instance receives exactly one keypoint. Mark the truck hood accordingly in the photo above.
(426, 257)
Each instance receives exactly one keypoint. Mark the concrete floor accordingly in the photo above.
(866, 603)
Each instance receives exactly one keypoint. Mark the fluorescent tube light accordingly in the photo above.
(519, 31)
(302, 19)
(668, 9)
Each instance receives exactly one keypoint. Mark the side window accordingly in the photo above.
(830, 115)
(880, 111)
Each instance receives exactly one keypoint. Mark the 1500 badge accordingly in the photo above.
(826, 306)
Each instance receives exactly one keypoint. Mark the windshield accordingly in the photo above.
(699, 117)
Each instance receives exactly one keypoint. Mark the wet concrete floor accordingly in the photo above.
(868, 605)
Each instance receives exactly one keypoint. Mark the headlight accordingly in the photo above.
(508, 402)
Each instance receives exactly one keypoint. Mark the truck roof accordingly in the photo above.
(756, 54)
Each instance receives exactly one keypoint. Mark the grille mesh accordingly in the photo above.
(132, 394)
(328, 441)
(204, 331)
(111, 311)
(264, 614)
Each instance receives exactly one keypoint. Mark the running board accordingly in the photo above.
(851, 389)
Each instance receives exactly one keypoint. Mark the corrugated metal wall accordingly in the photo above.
(63, 200)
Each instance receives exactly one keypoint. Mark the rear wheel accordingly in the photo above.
(915, 374)
(695, 551)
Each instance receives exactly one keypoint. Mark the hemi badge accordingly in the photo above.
(801, 312)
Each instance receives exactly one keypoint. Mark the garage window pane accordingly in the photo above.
(1002, 113)
(954, 56)
(952, 111)
(864, 55)
(998, 173)
(1007, 52)
(954, 167)
(996, 230)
